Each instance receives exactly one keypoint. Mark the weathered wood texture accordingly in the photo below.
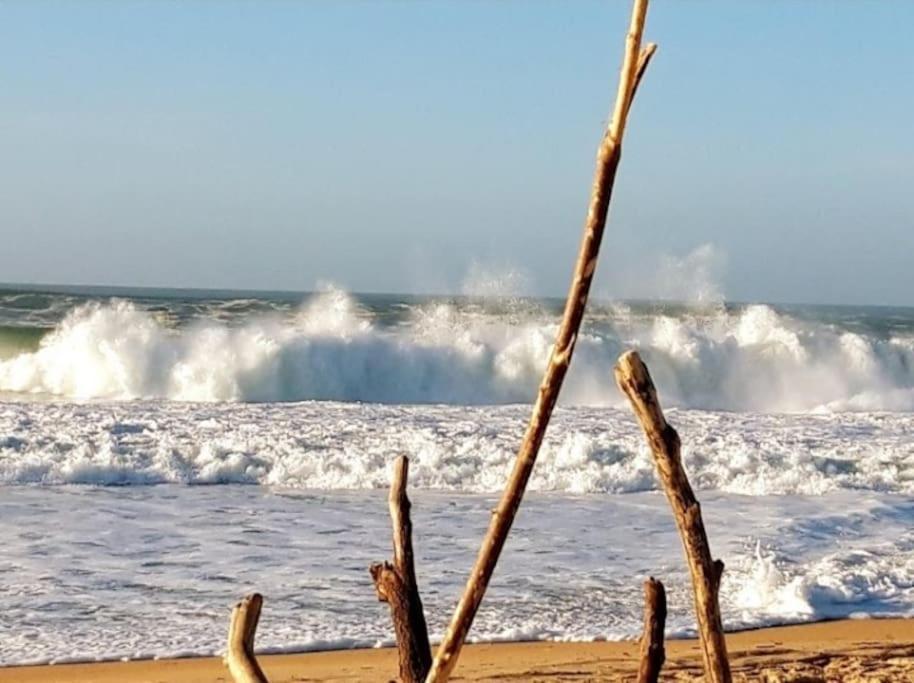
(634, 63)
(635, 381)
(239, 656)
(396, 585)
(652, 652)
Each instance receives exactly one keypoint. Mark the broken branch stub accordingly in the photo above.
(239, 656)
(652, 651)
(395, 584)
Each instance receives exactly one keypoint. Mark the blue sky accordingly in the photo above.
(399, 146)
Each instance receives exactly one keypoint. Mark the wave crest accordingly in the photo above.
(753, 358)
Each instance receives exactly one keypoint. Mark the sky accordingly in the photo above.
(436, 146)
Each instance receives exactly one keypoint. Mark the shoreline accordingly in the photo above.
(847, 650)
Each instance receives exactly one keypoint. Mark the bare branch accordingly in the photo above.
(635, 382)
(608, 156)
(396, 585)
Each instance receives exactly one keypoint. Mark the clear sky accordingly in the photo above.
(413, 146)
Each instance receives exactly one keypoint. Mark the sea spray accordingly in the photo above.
(467, 352)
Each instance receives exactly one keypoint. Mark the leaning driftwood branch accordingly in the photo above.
(239, 657)
(396, 585)
(608, 156)
(635, 381)
(652, 652)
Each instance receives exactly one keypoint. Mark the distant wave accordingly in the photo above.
(753, 358)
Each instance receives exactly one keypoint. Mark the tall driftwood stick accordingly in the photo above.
(635, 381)
(396, 585)
(239, 657)
(608, 156)
(652, 652)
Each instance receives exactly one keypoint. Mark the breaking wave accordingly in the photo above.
(751, 358)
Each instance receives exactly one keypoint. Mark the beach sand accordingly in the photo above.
(849, 650)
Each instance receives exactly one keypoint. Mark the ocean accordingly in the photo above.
(163, 452)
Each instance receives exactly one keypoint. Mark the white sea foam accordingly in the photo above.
(877, 580)
(807, 492)
(331, 446)
(752, 358)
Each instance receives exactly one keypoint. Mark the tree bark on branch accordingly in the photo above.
(395, 584)
(634, 63)
(239, 656)
(652, 652)
(635, 381)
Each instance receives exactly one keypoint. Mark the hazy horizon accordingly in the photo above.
(153, 290)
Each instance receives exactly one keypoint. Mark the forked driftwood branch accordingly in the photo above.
(396, 584)
(239, 657)
(634, 63)
(652, 652)
(635, 382)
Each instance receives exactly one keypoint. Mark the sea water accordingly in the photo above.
(164, 452)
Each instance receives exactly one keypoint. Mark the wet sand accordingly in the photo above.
(849, 650)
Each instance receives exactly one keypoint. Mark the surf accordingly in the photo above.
(334, 347)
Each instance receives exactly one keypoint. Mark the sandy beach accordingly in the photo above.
(848, 650)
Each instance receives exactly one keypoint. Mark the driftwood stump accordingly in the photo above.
(635, 382)
(635, 61)
(652, 652)
(395, 584)
(239, 656)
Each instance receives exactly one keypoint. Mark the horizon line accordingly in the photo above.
(61, 288)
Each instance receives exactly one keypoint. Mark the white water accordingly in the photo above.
(153, 571)
(752, 358)
(160, 458)
(333, 446)
(812, 514)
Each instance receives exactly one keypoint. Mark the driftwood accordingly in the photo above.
(635, 381)
(652, 652)
(239, 656)
(396, 585)
(633, 66)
